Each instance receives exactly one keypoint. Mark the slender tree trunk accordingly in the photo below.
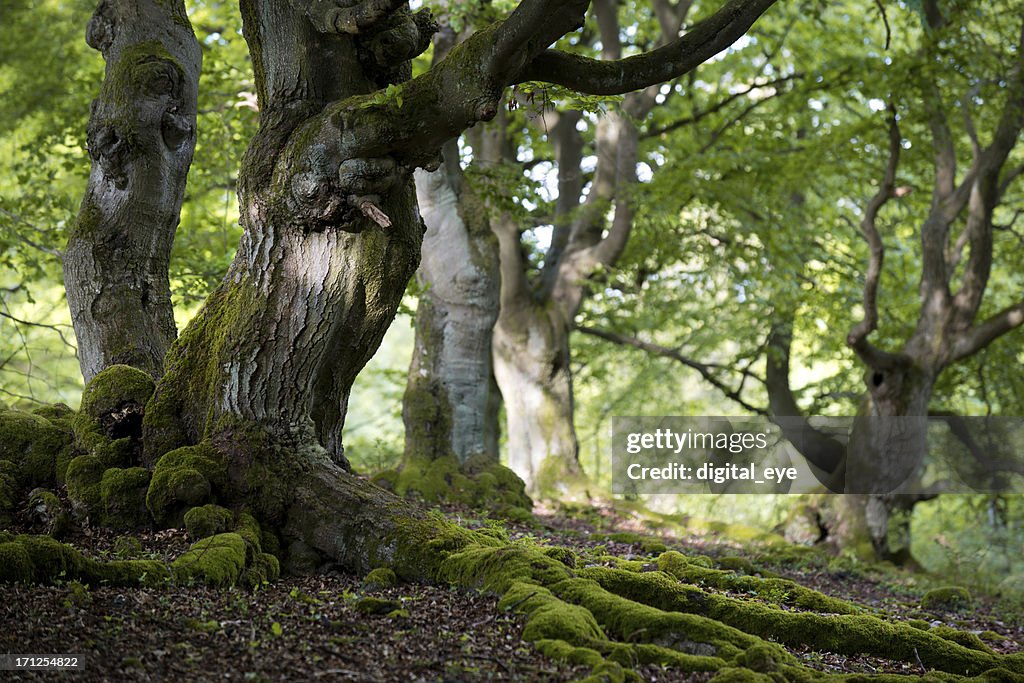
(141, 136)
(450, 391)
(531, 364)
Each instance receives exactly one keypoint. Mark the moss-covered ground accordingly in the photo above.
(603, 592)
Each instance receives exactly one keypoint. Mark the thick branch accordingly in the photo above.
(983, 334)
(820, 449)
(680, 56)
(857, 339)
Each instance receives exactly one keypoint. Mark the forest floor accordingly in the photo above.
(309, 628)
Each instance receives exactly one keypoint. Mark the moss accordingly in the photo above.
(497, 568)
(15, 563)
(379, 578)
(173, 491)
(113, 388)
(49, 560)
(740, 675)
(479, 483)
(9, 491)
(736, 564)
(264, 568)
(633, 621)
(843, 633)
(561, 651)
(775, 590)
(550, 618)
(207, 520)
(217, 560)
(968, 640)
(123, 495)
(920, 624)
(84, 475)
(948, 598)
(248, 528)
(33, 444)
(563, 555)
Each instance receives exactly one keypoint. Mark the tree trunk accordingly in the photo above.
(450, 391)
(141, 136)
(531, 364)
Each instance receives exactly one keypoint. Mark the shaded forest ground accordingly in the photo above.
(334, 626)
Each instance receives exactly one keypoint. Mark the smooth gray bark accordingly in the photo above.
(141, 136)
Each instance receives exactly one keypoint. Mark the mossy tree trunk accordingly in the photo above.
(141, 136)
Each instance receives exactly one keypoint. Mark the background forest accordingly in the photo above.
(753, 178)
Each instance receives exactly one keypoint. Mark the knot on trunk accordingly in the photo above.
(102, 28)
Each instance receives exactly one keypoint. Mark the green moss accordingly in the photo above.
(949, 598)
(920, 624)
(173, 491)
(114, 388)
(382, 577)
(264, 567)
(15, 563)
(736, 564)
(632, 621)
(49, 560)
(33, 444)
(968, 640)
(208, 520)
(217, 560)
(123, 495)
(479, 483)
(550, 618)
(775, 590)
(563, 555)
(9, 491)
(497, 568)
(561, 651)
(843, 633)
(248, 528)
(84, 475)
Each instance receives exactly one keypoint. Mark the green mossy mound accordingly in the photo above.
(33, 444)
(183, 479)
(208, 520)
(216, 561)
(948, 599)
(123, 496)
(379, 578)
(84, 476)
(479, 483)
(115, 388)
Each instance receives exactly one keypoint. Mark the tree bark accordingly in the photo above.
(141, 136)
(449, 393)
(531, 364)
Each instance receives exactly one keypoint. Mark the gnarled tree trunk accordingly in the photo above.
(141, 136)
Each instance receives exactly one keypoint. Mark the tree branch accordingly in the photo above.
(703, 369)
(820, 449)
(678, 57)
(857, 338)
(983, 334)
